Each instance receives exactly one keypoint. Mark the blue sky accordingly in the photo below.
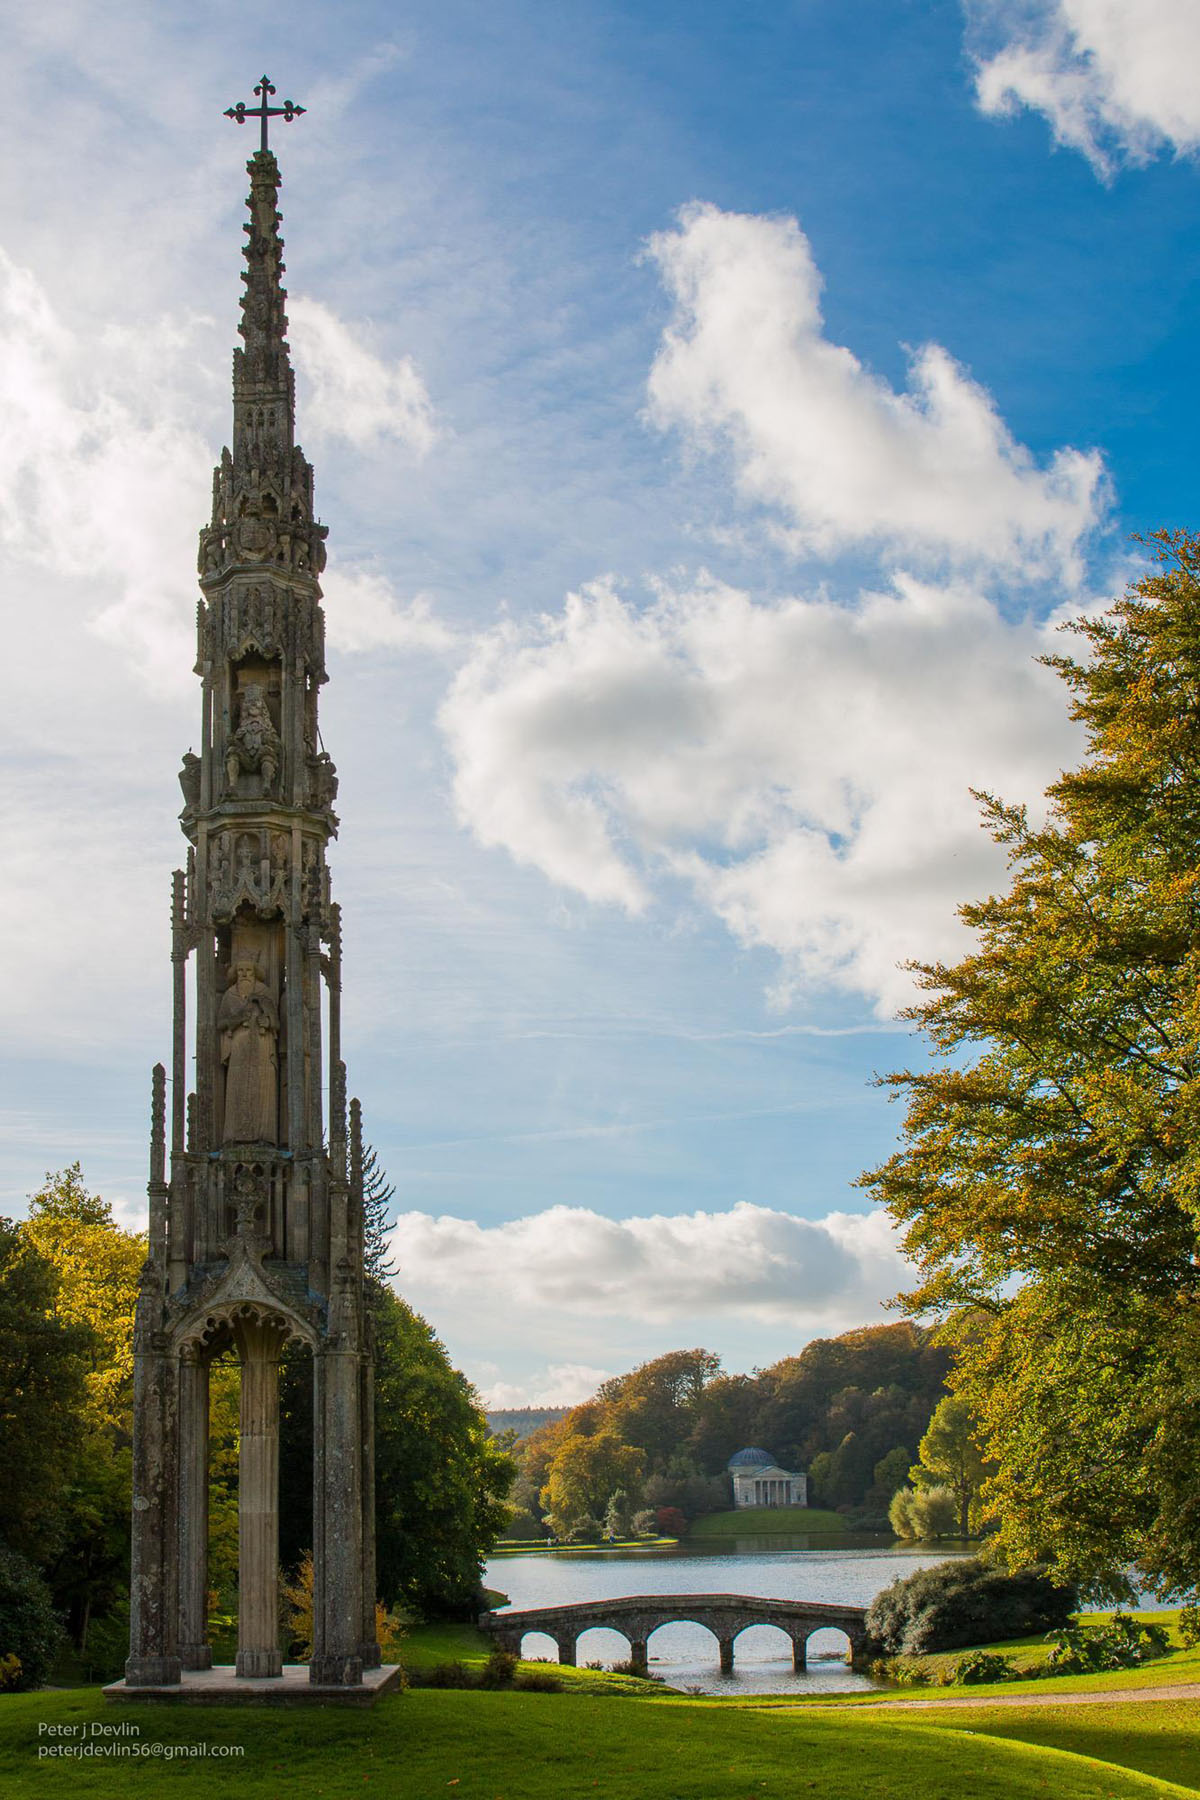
(714, 408)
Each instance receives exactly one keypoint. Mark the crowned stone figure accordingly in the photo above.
(249, 1027)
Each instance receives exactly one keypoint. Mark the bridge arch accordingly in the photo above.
(830, 1641)
(615, 1644)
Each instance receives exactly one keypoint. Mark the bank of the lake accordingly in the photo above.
(842, 1570)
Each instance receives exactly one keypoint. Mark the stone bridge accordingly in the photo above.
(637, 1616)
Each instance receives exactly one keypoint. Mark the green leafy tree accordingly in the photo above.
(924, 1513)
(97, 1265)
(889, 1475)
(441, 1479)
(618, 1515)
(585, 1472)
(43, 1366)
(948, 1456)
(1048, 1185)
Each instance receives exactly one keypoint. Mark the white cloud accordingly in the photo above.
(100, 480)
(571, 1261)
(354, 393)
(849, 461)
(1115, 78)
(804, 766)
(562, 1384)
(363, 613)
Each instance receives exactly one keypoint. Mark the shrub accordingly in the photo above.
(1189, 1625)
(444, 1675)
(1120, 1644)
(645, 1523)
(500, 1667)
(962, 1603)
(982, 1666)
(670, 1521)
(923, 1513)
(30, 1631)
(905, 1671)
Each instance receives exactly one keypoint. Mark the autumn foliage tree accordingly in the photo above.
(1048, 1184)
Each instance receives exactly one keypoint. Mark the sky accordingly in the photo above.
(716, 409)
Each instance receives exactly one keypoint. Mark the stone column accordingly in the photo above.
(725, 1646)
(153, 1593)
(566, 1649)
(337, 1514)
(639, 1655)
(194, 1650)
(259, 1345)
(369, 1646)
(799, 1653)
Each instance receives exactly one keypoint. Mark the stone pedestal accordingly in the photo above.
(799, 1654)
(725, 1646)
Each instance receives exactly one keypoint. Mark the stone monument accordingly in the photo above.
(256, 1221)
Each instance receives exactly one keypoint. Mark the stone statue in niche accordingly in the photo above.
(249, 1025)
(189, 780)
(323, 781)
(255, 747)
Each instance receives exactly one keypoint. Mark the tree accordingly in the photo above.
(1048, 1185)
(949, 1457)
(378, 1195)
(923, 1513)
(441, 1479)
(43, 1362)
(585, 1472)
(97, 1266)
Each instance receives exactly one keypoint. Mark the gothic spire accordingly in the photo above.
(263, 491)
(262, 370)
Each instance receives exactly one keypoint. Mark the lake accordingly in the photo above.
(848, 1571)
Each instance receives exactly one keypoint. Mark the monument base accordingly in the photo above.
(222, 1686)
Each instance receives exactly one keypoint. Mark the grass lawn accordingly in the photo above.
(1159, 1737)
(767, 1521)
(512, 1746)
(1177, 1666)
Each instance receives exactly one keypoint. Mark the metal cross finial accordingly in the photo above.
(287, 112)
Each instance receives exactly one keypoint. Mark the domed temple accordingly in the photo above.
(256, 1215)
(758, 1481)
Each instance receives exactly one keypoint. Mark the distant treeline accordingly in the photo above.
(523, 1420)
(850, 1410)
